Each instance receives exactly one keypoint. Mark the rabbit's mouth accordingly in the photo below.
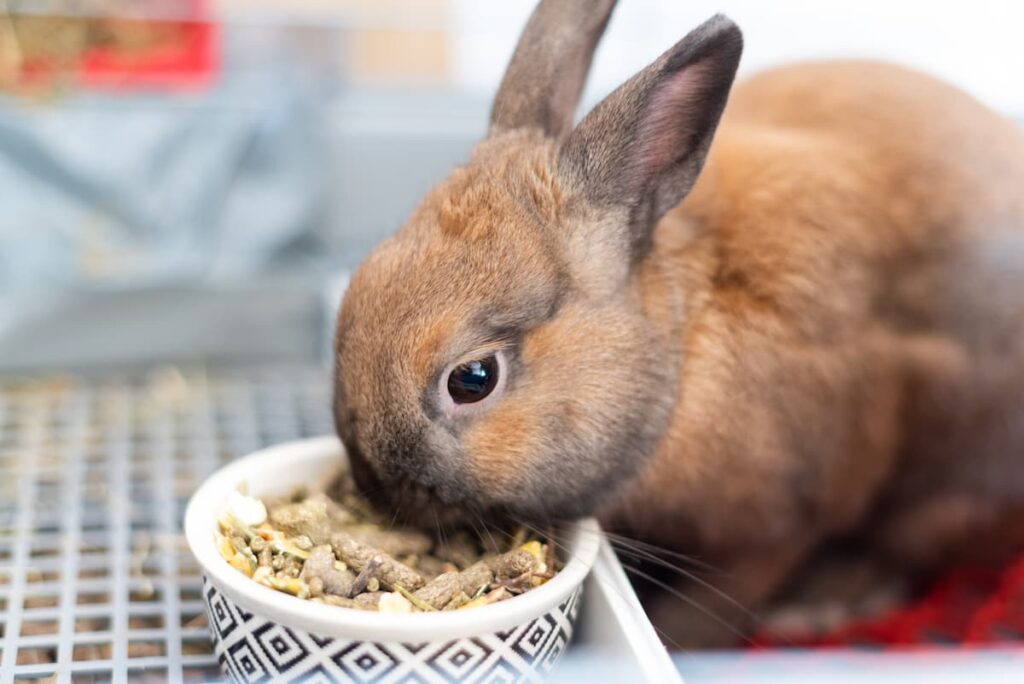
(410, 503)
(406, 501)
(411, 489)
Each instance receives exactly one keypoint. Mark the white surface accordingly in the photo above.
(280, 468)
(615, 641)
(947, 666)
(975, 45)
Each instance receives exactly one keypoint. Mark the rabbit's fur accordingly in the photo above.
(826, 335)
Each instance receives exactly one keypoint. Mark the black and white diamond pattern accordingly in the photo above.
(315, 675)
(222, 617)
(254, 649)
(461, 658)
(363, 661)
(281, 647)
(245, 664)
(553, 653)
(500, 673)
(534, 640)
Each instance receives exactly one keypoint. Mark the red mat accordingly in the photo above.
(973, 607)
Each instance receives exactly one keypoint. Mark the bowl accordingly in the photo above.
(263, 635)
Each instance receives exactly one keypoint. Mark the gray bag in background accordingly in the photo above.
(109, 192)
(110, 202)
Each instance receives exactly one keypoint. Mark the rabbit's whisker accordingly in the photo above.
(567, 553)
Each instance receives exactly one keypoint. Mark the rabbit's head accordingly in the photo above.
(508, 349)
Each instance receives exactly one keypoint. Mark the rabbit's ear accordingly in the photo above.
(643, 146)
(542, 84)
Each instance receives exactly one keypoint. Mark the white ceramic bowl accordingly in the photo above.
(263, 635)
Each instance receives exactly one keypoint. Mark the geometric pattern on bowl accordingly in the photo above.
(252, 648)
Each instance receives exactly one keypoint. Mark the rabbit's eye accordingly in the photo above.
(472, 381)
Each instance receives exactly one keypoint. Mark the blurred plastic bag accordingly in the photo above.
(101, 192)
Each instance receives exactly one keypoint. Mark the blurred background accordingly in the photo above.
(189, 179)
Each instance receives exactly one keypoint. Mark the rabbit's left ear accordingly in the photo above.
(545, 77)
(643, 146)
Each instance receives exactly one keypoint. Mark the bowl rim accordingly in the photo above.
(200, 520)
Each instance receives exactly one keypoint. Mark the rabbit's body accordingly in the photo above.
(824, 336)
(852, 260)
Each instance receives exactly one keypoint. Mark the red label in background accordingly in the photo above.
(175, 53)
(184, 55)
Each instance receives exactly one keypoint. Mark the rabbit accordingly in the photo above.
(736, 322)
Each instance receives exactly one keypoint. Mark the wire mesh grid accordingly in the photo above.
(96, 581)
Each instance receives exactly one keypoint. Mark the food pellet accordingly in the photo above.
(333, 548)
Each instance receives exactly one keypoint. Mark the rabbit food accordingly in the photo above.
(331, 547)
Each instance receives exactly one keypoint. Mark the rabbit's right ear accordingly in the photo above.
(545, 77)
(640, 150)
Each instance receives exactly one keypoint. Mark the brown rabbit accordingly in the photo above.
(823, 334)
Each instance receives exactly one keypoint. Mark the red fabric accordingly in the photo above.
(974, 606)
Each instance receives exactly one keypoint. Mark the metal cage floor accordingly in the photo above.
(96, 582)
